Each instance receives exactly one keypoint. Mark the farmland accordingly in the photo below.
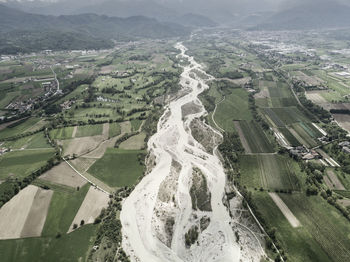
(118, 167)
(89, 130)
(71, 247)
(62, 133)
(109, 106)
(256, 138)
(25, 214)
(259, 171)
(36, 141)
(269, 171)
(114, 129)
(20, 128)
(18, 164)
(293, 240)
(329, 229)
(63, 208)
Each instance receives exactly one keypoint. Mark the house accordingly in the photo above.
(345, 143)
(345, 149)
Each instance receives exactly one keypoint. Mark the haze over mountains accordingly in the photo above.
(263, 14)
(310, 15)
(24, 32)
(72, 24)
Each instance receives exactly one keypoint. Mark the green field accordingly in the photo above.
(114, 129)
(289, 115)
(299, 128)
(62, 133)
(256, 138)
(19, 129)
(297, 242)
(135, 142)
(7, 98)
(64, 205)
(135, 124)
(323, 222)
(234, 107)
(68, 248)
(29, 142)
(288, 135)
(118, 167)
(89, 130)
(344, 178)
(19, 164)
(272, 172)
(281, 95)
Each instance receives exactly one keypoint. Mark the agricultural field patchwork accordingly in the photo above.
(64, 206)
(293, 239)
(62, 133)
(329, 229)
(68, 247)
(20, 127)
(25, 214)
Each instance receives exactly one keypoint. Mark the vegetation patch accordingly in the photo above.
(62, 133)
(200, 194)
(191, 236)
(89, 130)
(135, 124)
(288, 135)
(19, 128)
(114, 129)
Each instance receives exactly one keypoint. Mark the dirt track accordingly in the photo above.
(294, 222)
(75, 129)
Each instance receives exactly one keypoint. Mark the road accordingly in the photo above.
(57, 82)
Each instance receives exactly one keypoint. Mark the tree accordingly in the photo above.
(82, 222)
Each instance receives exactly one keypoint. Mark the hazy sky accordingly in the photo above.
(229, 5)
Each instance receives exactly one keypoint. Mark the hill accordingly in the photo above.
(24, 32)
(313, 15)
(194, 20)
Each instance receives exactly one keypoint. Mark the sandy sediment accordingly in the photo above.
(158, 213)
